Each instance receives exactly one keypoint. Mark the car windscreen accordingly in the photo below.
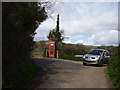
(95, 52)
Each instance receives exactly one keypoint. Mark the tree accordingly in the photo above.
(56, 34)
(19, 23)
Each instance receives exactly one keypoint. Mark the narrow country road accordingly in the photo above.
(71, 74)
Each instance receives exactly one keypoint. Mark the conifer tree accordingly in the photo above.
(56, 34)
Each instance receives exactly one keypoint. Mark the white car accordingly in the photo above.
(96, 56)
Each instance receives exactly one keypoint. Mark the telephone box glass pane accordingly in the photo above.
(51, 49)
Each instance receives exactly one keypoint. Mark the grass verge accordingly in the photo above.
(114, 71)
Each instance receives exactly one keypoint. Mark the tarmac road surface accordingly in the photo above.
(61, 73)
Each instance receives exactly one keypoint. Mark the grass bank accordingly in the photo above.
(114, 71)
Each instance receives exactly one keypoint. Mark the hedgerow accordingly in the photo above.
(114, 71)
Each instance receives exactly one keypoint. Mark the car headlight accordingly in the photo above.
(97, 57)
(84, 57)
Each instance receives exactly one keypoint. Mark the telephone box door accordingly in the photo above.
(52, 49)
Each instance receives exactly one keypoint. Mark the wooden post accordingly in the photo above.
(57, 53)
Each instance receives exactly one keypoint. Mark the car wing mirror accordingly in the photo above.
(107, 56)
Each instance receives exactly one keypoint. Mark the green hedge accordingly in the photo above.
(19, 22)
(19, 75)
(114, 71)
(69, 57)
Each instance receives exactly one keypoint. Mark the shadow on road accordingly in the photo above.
(95, 65)
(43, 69)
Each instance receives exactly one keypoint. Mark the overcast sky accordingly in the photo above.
(89, 23)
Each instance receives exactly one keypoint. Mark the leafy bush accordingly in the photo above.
(20, 74)
(68, 51)
(69, 57)
(39, 49)
(114, 71)
(19, 23)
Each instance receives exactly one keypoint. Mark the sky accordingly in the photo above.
(87, 23)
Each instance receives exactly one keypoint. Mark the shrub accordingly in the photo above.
(69, 57)
(19, 75)
(19, 23)
(114, 71)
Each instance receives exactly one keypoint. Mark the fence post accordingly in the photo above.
(57, 53)
(46, 52)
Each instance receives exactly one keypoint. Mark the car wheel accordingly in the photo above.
(100, 63)
(84, 63)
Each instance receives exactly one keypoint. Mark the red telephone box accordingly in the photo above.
(52, 50)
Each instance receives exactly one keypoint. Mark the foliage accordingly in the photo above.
(19, 74)
(114, 65)
(56, 34)
(114, 71)
(73, 49)
(40, 46)
(69, 57)
(37, 52)
(68, 51)
(39, 49)
(19, 23)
